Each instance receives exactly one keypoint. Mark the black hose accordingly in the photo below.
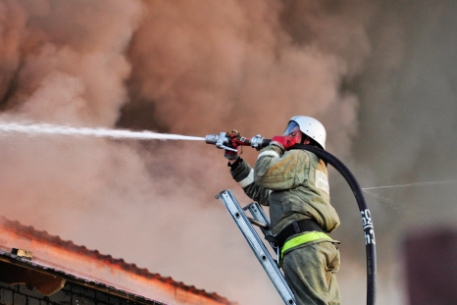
(370, 243)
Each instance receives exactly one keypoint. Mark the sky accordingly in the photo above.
(380, 76)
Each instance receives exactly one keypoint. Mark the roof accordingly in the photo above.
(76, 263)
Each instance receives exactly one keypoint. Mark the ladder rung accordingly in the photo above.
(258, 223)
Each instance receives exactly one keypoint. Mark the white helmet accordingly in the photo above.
(310, 127)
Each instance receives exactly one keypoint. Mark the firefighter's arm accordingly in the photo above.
(243, 173)
(277, 169)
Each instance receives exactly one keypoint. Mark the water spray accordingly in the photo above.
(429, 183)
(371, 191)
(222, 141)
(49, 129)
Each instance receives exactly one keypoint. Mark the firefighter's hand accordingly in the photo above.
(284, 142)
(232, 155)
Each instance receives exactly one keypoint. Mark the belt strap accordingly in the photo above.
(296, 227)
(302, 239)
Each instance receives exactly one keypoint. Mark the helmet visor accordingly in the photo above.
(291, 127)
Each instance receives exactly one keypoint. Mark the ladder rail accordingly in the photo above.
(259, 216)
(255, 242)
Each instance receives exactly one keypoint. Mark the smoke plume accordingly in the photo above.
(379, 76)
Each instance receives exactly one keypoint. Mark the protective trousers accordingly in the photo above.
(310, 273)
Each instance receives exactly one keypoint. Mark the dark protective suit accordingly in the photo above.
(294, 184)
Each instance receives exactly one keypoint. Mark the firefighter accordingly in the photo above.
(294, 184)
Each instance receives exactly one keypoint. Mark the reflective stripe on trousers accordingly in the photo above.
(302, 239)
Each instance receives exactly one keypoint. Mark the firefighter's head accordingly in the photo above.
(305, 129)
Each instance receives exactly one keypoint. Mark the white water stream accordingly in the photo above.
(50, 129)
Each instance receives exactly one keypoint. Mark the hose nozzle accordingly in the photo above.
(221, 141)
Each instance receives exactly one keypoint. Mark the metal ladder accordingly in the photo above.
(245, 224)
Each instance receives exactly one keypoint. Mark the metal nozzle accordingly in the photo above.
(211, 138)
(219, 140)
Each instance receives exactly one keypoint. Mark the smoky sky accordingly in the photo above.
(380, 76)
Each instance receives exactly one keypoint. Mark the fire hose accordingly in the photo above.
(222, 141)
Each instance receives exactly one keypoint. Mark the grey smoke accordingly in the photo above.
(380, 76)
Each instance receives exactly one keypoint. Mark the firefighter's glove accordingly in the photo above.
(284, 142)
(232, 137)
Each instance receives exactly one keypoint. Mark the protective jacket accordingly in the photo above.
(294, 184)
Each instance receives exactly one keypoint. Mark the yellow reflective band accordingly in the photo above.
(302, 239)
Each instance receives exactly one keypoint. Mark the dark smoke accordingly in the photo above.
(380, 76)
